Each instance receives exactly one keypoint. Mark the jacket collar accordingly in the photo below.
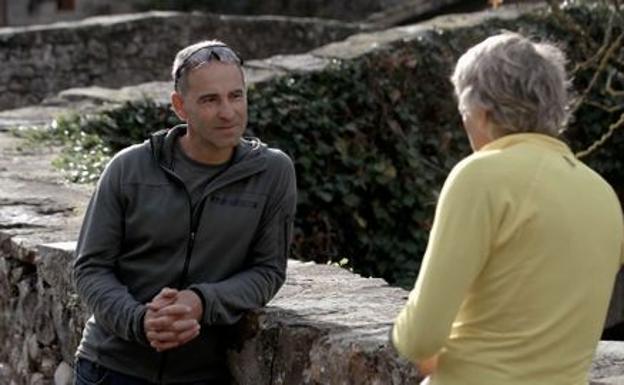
(250, 155)
(541, 140)
(163, 142)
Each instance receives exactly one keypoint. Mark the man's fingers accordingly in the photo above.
(175, 310)
(158, 323)
(184, 324)
(166, 291)
(170, 326)
(188, 335)
(158, 304)
(164, 325)
(167, 313)
(166, 297)
(165, 340)
(172, 318)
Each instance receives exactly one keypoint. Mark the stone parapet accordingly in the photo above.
(326, 326)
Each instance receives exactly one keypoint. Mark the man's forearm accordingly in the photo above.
(227, 300)
(111, 303)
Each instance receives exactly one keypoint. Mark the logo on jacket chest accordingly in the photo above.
(234, 201)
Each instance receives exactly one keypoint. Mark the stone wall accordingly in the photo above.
(46, 11)
(27, 12)
(343, 10)
(326, 326)
(123, 50)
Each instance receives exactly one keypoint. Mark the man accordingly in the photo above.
(526, 240)
(183, 234)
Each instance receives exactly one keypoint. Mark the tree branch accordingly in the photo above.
(602, 139)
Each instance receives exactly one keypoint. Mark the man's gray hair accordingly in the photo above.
(191, 57)
(522, 84)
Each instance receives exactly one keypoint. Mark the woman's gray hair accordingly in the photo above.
(522, 84)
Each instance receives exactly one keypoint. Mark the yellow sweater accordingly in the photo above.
(515, 284)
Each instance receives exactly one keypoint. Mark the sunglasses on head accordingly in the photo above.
(206, 54)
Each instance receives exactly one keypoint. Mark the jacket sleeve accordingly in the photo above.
(98, 246)
(458, 247)
(225, 301)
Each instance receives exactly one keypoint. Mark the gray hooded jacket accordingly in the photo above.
(140, 234)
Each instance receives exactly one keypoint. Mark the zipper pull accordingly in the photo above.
(192, 236)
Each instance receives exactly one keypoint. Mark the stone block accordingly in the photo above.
(609, 381)
(325, 326)
(608, 361)
(63, 374)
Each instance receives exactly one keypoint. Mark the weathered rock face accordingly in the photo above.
(116, 51)
(326, 326)
(35, 208)
(46, 11)
(344, 10)
(407, 10)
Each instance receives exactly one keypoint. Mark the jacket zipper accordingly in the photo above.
(189, 249)
(194, 225)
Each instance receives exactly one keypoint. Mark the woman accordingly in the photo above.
(526, 241)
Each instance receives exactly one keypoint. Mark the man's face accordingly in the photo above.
(214, 105)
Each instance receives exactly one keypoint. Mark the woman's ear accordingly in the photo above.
(477, 124)
(482, 117)
(177, 102)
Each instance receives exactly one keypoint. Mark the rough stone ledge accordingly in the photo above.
(326, 326)
(360, 44)
(609, 381)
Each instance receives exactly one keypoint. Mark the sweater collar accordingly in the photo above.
(540, 140)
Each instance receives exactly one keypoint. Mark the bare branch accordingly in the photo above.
(600, 52)
(616, 6)
(613, 48)
(587, 45)
(603, 138)
(609, 87)
(605, 108)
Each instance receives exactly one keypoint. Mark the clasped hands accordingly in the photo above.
(172, 318)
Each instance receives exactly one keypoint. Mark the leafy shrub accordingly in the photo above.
(372, 142)
(90, 140)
